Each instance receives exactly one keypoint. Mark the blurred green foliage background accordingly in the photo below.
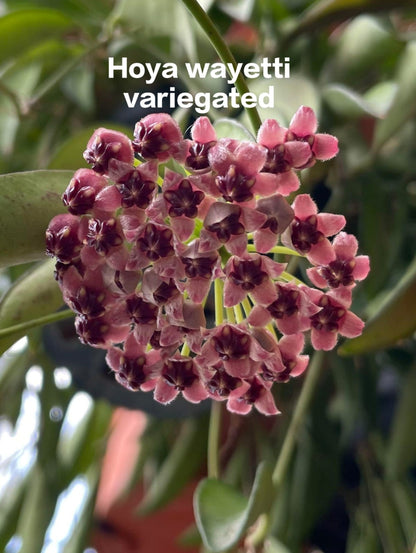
(351, 484)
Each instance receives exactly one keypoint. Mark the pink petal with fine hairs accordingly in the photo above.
(232, 294)
(197, 288)
(321, 253)
(113, 358)
(203, 131)
(304, 122)
(91, 258)
(266, 184)
(316, 278)
(304, 206)
(325, 146)
(330, 224)
(237, 245)
(250, 157)
(265, 294)
(132, 348)
(273, 268)
(241, 368)
(293, 324)
(291, 346)
(221, 157)
(287, 183)
(164, 393)
(183, 227)
(143, 333)
(362, 267)
(196, 392)
(252, 219)
(117, 259)
(238, 406)
(264, 240)
(299, 368)
(297, 153)
(259, 316)
(323, 340)
(345, 245)
(351, 325)
(265, 404)
(271, 133)
(109, 199)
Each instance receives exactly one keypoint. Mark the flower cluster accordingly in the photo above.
(159, 221)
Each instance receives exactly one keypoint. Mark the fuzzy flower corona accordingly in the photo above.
(142, 246)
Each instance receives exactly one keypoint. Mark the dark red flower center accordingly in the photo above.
(155, 242)
(230, 343)
(305, 233)
(328, 319)
(142, 312)
(200, 266)
(91, 331)
(63, 244)
(103, 235)
(235, 186)
(228, 226)
(149, 140)
(286, 303)
(134, 190)
(131, 372)
(248, 273)
(197, 159)
(184, 200)
(88, 302)
(179, 373)
(275, 161)
(221, 383)
(339, 273)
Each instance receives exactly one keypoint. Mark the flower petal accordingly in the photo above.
(304, 122)
(325, 146)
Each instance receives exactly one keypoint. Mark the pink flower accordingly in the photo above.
(133, 365)
(252, 274)
(345, 269)
(309, 230)
(204, 137)
(279, 216)
(80, 195)
(303, 127)
(252, 392)
(283, 156)
(62, 239)
(237, 166)
(333, 318)
(179, 374)
(106, 145)
(291, 310)
(158, 136)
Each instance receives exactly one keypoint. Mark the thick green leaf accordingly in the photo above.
(401, 448)
(33, 295)
(223, 514)
(157, 19)
(404, 102)
(394, 319)
(10, 509)
(69, 155)
(230, 128)
(23, 29)
(182, 463)
(28, 201)
(322, 12)
(364, 44)
(347, 103)
(287, 95)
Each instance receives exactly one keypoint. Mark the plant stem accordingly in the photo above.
(28, 325)
(224, 53)
(213, 439)
(301, 409)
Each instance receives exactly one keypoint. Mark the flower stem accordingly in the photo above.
(213, 439)
(219, 306)
(301, 409)
(277, 249)
(224, 53)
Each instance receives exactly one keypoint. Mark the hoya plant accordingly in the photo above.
(206, 321)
